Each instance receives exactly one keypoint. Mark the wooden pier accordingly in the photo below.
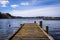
(30, 31)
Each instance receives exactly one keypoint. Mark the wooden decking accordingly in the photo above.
(30, 31)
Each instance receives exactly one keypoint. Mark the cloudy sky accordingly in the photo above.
(31, 7)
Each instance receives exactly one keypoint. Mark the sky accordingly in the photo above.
(30, 8)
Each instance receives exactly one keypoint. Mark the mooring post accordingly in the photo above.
(21, 24)
(46, 29)
(34, 21)
(40, 24)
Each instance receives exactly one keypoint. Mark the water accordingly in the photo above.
(54, 28)
(5, 30)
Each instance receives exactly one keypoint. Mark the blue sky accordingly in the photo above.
(31, 7)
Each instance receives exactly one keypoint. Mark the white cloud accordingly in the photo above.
(24, 3)
(46, 11)
(33, 1)
(3, 6)
(38, 1)
(4, 2)
(14, 6)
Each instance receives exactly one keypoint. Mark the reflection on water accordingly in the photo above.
(5, 30)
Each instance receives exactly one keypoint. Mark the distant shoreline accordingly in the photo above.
(9, 16)
(51, 19)
(29, 18)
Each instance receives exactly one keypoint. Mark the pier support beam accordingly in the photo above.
(46, 29)
(40, 24)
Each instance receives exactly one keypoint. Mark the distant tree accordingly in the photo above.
(8, 14)
(0, 15)
(0, 12)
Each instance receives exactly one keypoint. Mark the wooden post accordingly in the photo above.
(34, 21)
(46, 29)
(40, 24)
(21, 24)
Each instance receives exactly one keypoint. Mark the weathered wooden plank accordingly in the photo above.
(30, 31)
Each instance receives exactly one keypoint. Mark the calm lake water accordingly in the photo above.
(5, 30)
